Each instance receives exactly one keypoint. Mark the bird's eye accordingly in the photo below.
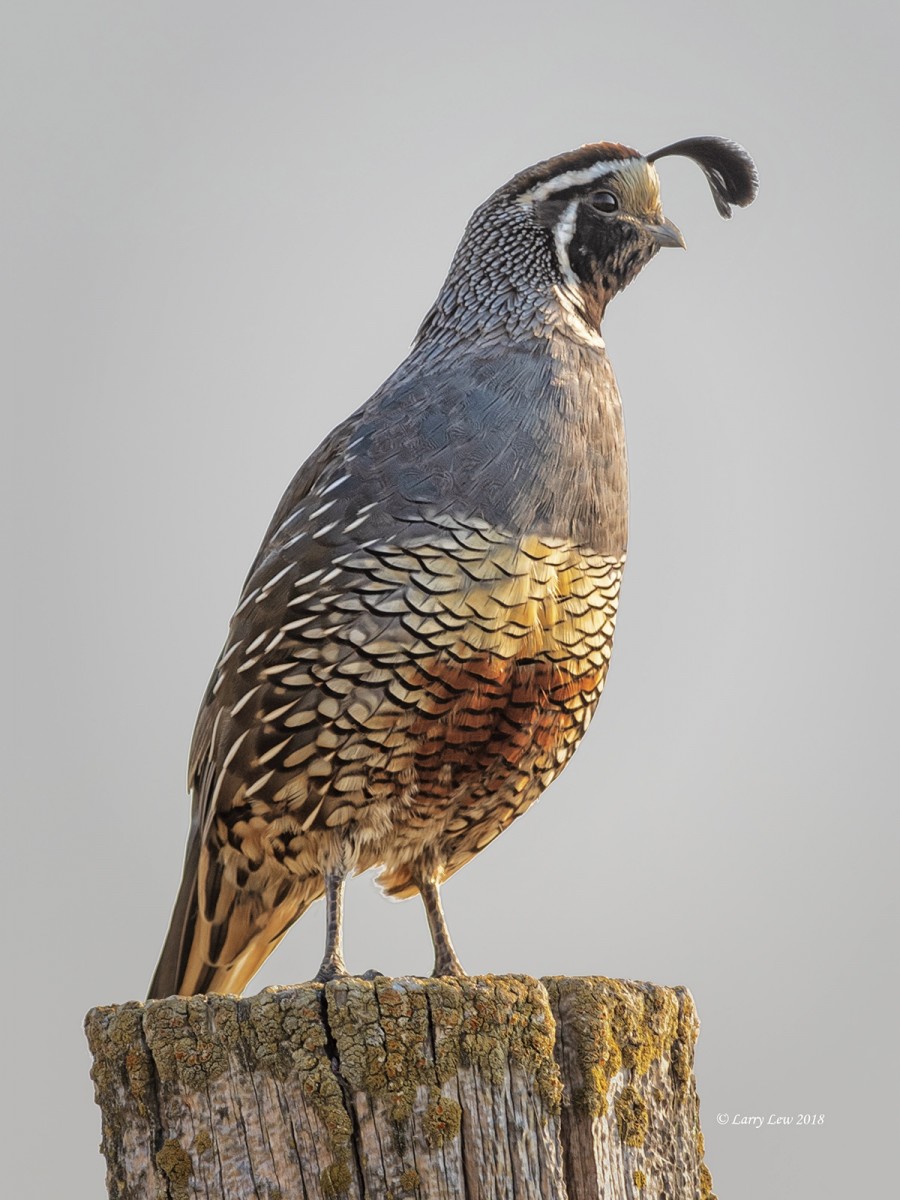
(605, 202)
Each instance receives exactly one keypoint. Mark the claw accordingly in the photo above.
(331, 969)
(448, 967)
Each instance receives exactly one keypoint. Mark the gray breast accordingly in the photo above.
(525, 442)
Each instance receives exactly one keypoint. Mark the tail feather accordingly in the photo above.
(170, 968)
(219, 945)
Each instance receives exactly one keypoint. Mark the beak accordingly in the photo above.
(665, 234)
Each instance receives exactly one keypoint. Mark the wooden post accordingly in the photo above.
(489, 1088)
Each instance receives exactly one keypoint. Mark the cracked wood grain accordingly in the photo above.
(488, 1088)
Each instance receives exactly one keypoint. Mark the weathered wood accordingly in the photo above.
(490, 1088)
(630, 1118)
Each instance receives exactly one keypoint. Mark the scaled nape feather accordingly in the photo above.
(426, 630)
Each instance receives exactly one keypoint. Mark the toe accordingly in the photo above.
(331, 970)
(448, 967)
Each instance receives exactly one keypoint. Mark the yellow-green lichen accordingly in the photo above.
(191, 1042)
(682, 1053)
(175, 1163)
(706, 1192)
(283, 1030)
(381, 1032)
(510, 1019)
(639, 1179)
(285, 1034)
(632, 1118)
(441, 1121)
(190, 1038)
(121, 1058)
(409, 1181)
(613, 1025)
(203, 1142)
(384, 1030)
(336, 1180)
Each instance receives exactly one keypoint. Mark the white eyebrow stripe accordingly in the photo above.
(576, 178)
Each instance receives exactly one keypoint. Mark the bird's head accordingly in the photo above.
(580, 226)
(602, 213)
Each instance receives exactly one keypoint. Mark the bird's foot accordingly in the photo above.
(331, 968)
(448, 965)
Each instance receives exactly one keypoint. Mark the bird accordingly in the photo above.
(425, 632)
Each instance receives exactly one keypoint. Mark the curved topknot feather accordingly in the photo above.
(729, 169)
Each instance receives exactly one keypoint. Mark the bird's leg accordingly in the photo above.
(445, 960)
(333, 966)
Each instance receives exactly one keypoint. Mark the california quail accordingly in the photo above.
(426, 629)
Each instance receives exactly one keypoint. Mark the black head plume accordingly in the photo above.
(728, 167)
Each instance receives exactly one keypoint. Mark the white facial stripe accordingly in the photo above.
(562, 235)
(574, 319)
(576, 178)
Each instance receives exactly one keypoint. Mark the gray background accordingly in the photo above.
(222, 224)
